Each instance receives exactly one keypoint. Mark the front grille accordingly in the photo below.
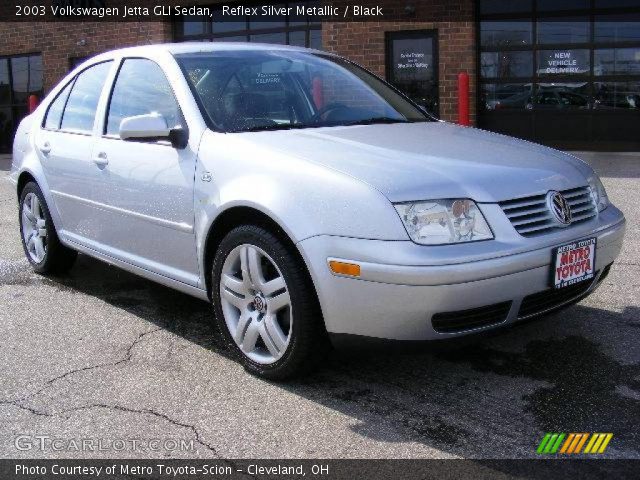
(552, 299)
(451, 322)
(530, 216)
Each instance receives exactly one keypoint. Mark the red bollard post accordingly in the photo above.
(463, 99)
(33, 102)
(317, 92)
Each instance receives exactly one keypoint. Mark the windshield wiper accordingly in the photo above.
(287, 126)
(376, 120)
(260, 128)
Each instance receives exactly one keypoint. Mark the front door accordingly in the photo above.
(145, 187)
(412, 66)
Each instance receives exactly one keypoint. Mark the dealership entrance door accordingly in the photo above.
(412, 65)
(20, 76)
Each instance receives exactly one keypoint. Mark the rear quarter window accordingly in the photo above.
(54, 114)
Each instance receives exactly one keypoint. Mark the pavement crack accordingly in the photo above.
(148, 411)
(33, 411)
(49, 383)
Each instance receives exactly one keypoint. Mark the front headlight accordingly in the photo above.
(438, 222)
(598, 193)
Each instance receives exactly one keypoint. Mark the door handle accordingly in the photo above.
(101, 159)
(45, 148)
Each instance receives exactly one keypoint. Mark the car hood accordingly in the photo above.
(433, 160)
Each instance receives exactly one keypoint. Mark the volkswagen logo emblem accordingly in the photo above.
(258, 303)
(559, 207)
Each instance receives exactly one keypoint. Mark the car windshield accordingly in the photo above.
(251, 90)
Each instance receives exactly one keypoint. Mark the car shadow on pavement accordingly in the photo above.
(490, 394)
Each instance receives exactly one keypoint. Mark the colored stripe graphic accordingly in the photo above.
(605, 444)
(591, 442)
(598, 443)
(555, 448)
(580, 444)
(567, 443)
(573, 443)
(551, 443)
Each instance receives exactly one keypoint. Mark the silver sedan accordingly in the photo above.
(307, 199)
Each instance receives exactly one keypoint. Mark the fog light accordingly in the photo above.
(343, 268)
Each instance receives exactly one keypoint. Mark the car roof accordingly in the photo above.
(163, 50)
(199, 47)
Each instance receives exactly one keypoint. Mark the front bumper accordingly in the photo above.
(403, 285)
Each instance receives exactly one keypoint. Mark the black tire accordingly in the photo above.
(309, 341)
(58, 258)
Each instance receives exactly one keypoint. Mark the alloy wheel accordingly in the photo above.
(256, 304)
(34, 227)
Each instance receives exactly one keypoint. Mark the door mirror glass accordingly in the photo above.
(147, 126)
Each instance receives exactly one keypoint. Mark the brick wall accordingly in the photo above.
(58, 42)
(364, 43)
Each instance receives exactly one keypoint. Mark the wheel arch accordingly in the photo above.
(244, 215)
(24, 178)
(33, 173)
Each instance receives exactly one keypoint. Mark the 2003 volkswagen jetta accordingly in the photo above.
(303, 196)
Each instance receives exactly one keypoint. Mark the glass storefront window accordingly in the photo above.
(617, 28)
(222, 24)
(269, 22)
(551, 5)
(617, 95)
(562, 96)
(6, 129)
(279, 38)
(193, 26)
(563, 30)
(26, 73)
(507, 96)
(616, 61)
(238, 38)
(294, 19)
(617, 3)
(5, 88)
(298, 38)
(505, 33)
(506, 64)
(315, 39)
(563, 62)
(502, 6)
(301, 30)
(20, 76)
(585, 73)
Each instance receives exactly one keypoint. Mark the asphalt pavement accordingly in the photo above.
(103, 355)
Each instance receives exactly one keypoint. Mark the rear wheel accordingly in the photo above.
(265, 305)
(39, 238)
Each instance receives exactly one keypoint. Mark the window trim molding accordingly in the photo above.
(105, 120)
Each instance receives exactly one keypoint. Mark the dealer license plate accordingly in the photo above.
(574, 262)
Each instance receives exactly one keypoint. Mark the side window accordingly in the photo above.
(54, 114)
(141, 88)
(80, 111)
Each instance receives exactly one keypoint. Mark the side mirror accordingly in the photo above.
(152, 126)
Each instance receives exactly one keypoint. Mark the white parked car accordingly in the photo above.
(305, 198)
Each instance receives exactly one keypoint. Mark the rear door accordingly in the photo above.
(65, 142)
(145, 187)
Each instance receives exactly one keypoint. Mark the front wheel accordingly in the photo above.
(39, 237)
(265, 305)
